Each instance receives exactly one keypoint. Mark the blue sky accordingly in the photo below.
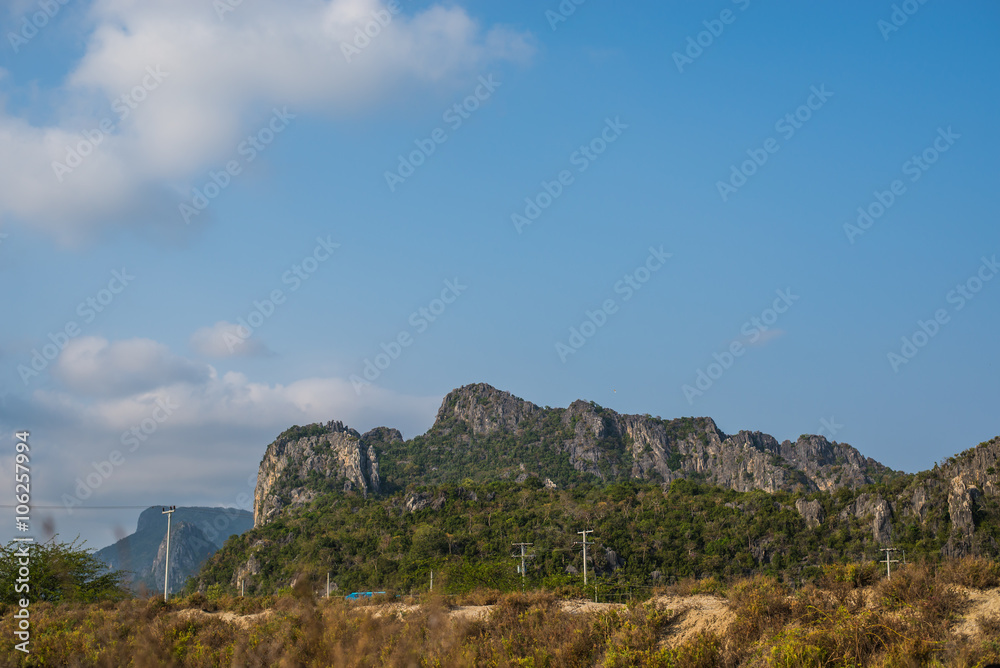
(331, 121)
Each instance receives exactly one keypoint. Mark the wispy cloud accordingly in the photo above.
(225, 339)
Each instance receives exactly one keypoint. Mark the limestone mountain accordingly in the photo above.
(482, 434)
(665, 496)
(189, 549)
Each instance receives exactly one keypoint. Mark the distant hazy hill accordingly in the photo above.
(195, 534)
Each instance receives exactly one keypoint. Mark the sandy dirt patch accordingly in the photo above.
(697, 614)
(243, 621)
(982, 603)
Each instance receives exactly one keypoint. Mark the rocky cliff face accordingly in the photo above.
(305, 461)
(971, 479)
(486, 409)
(189, 549)
(667, 449)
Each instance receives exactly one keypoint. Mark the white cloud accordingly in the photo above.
(180, 441)
(91, 366)
(223, 340)
(234, 401)
(110, 386)
(220, 79)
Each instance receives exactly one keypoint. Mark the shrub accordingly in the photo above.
(972, 572)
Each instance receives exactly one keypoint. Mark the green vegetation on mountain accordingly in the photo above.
(643, 536)
(666, 499)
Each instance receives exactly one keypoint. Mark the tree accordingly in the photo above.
(57, 572)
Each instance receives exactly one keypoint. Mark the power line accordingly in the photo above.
(166, 577)
(522, 556)
(34, 507)
(888, 561)
(584, 543)
(189, 509)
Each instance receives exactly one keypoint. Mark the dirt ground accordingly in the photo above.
(243, 621)
(982, 603)
(697, 614)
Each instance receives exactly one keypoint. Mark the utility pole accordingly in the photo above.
(523, 556)
(432, 580)
(584, 543)
(166, 577)
(887, 550)
(328, 584)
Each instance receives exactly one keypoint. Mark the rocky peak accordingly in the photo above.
(382, 435)
(485, 409)
(978, 466)
(829, 465)
(306, 461)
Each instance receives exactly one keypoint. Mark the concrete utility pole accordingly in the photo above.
(166, 577)
(328, 584)
(887, 550)
(523, 556)
(584, 543)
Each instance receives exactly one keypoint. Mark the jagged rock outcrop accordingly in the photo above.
(962, 499)
(872, 508)
(919, 504)
(486, 409)
(305, 461)
(685, 447)
(812, 512)
(189, 549)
